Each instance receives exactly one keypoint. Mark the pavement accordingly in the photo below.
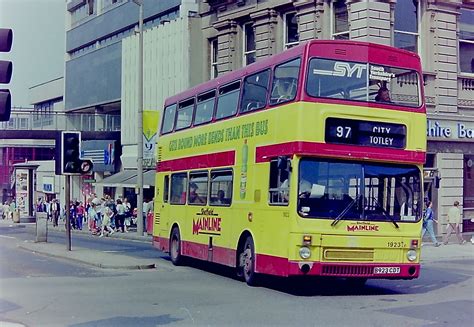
(101, 259)
(110, 260)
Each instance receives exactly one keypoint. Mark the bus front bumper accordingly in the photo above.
(359, 270)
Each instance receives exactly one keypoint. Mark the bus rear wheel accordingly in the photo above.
(175, 247)
(246, 267)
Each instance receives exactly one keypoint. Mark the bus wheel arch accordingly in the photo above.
(175, 246)
(246, 259)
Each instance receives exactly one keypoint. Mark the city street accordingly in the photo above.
(40, 290)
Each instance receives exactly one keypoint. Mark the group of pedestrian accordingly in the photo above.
(106, 215)
(7, 209)
(454, 223)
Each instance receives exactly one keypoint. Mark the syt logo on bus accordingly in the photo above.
(207, 222)
(343, 69)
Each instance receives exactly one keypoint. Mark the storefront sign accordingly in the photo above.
(450, 130)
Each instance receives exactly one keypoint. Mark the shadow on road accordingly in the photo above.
(130, 321)
(431, 278)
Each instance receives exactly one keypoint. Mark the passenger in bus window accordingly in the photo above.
(383, 95)
(221, 197)
(193, 196)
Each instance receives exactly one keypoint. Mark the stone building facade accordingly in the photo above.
(239, 32)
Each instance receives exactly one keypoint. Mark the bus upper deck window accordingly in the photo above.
(228, 100)
(205, 107)
(185, 114)
(168, 118)
(254, 92)
(285, 82)
(359, 81)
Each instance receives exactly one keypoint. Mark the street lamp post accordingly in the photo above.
(140, 122)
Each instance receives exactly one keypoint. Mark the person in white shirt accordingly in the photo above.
(454, 223)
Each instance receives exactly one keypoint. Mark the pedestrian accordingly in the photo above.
(80, 214)
(73, 215)
(428, 221)
(120, 217)
(93, 218)
(55, 211)
(454, 223)
(107, 215)
(47, 207)
(12, 208)
(128, 212)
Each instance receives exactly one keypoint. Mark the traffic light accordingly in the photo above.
(71, 162)
(6, 68)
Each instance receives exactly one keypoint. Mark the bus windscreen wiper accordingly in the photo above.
(385, 213)
(343, 212)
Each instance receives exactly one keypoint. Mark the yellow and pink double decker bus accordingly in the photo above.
(308, 162)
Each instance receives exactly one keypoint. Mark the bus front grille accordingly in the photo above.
(347, 270)
(348, 254)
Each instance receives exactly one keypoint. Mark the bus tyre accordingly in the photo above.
(247, 262)
(175, 247)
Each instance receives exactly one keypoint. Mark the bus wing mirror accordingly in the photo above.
(437, 181)
(283, 163)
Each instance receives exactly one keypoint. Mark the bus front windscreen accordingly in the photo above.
(340, 190)
(363, 82)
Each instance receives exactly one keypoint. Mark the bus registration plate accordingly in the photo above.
(386, 270)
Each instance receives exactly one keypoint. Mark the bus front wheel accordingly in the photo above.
(175, 247)
(247, 262)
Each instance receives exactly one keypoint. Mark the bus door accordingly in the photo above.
(430, 184)
(430, 188)
(200, 225)
(161, 207)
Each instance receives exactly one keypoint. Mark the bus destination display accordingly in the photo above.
(359, 132)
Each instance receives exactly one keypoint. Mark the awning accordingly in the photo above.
(128, 178)
(119, 179)
(148, 179)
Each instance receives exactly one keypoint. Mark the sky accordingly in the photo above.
(38, 44)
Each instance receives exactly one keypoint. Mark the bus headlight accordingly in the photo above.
(411, 255)
(305, 252)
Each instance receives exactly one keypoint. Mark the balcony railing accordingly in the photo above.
(32, 120)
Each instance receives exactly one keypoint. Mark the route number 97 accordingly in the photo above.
(343, 131)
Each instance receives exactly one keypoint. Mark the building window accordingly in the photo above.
(249, 44)
(214, 53)
(340, 20)
(468, 182)
(407, 24)
(290, 30)
(466, 41)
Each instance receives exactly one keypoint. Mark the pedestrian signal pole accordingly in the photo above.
(71, 164)
(67, 188)
(6, 69)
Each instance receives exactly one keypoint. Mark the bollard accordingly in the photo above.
(41, 227)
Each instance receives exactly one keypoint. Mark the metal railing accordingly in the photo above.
(33, 120)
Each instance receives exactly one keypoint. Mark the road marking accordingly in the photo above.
(4, 236)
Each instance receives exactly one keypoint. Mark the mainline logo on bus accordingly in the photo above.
(207, 225)
(362, 227)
